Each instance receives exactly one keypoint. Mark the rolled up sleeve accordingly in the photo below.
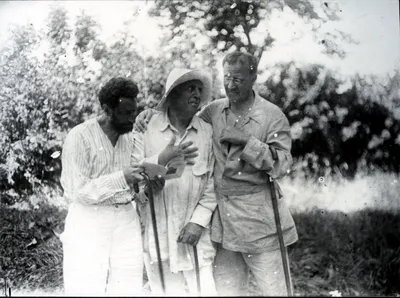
(208, 202)
(258, 153)
(206, 206)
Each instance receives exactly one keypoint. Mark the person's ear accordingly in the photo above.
(107, 110)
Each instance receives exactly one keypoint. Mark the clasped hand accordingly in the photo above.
(234, 135)
(133, 175)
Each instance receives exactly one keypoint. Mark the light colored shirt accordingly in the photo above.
(246, 170)
(190, 198)
(244, 219)
(92, 167)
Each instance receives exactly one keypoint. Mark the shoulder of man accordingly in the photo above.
(81, 128)
(213, 108)
(270, 109)
(206, 127)
(156, 119)
(220, 102)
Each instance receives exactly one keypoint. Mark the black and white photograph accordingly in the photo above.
(215, 148)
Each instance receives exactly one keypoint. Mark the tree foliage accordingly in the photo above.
(232, 24)
(50, 80)
(335, 131)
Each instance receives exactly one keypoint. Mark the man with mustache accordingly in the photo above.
(185, 206)
(247, 131)
(102, 241)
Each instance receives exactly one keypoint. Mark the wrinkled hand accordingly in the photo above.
(190, 234)
(132, 174)
(142, 120)
(234, 135)
(171, 151)
(156, 185)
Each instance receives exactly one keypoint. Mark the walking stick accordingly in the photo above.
(154, 222)
(196, 264)
(284, 254)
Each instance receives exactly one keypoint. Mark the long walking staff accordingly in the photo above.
(285, 259)
(154, 221)
(196, 265)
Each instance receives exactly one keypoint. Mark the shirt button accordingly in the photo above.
(275, 135)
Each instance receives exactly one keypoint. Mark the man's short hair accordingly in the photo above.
(244, 59)
(116, 88)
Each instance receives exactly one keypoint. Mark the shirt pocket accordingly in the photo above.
(200, 168)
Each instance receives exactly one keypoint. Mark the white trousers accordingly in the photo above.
(182, 283)
(103, 252)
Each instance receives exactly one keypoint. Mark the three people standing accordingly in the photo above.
(222, 203)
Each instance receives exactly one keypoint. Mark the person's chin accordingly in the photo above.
(233, 96)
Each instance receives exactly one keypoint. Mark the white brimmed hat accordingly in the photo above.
(178, 76)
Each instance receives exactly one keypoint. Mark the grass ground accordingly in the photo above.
(356, 252)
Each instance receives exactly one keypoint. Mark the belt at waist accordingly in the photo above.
(238, 188)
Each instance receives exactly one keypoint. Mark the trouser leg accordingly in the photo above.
(126, 259)
(174, 282)
(86, 246)
(207, 283)
(230, 273)
(268, 271)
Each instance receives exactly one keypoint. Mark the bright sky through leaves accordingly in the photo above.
(374, 24)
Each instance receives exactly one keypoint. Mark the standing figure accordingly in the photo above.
(102, 241)
(185, 205)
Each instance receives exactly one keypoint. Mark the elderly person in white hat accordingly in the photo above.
(185, 206)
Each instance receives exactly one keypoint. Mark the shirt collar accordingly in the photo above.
(165, 123)
(255, 113)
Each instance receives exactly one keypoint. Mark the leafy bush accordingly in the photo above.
(30, 252)
(337, 131)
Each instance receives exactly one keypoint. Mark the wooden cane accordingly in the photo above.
(154, 222)
(196, 265)
(284, 254)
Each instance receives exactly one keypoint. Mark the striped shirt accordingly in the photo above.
(92, 167)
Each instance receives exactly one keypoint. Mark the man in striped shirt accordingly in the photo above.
(100, 164)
